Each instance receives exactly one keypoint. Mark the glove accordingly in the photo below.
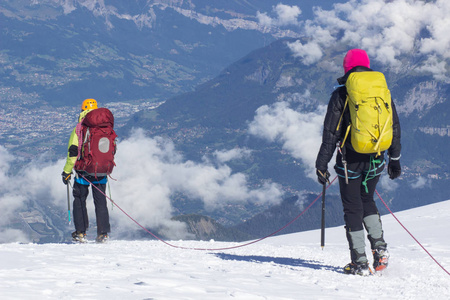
(323, 176)
(394, 169)
(66, 177)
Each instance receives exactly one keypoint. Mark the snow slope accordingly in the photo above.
(284, 267)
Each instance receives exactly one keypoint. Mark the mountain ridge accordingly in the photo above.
(224, 107)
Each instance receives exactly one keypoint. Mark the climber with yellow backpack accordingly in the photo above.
(362, 123)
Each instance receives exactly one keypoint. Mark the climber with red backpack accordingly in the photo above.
(362, 122)
(91, 150)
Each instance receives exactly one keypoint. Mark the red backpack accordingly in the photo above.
(96, 143)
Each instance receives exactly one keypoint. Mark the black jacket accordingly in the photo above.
(331, 135)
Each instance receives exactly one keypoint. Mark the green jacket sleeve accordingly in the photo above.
(72, 153)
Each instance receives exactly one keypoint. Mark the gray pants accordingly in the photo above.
(356, 239)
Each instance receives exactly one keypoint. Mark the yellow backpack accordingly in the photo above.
(369, 102)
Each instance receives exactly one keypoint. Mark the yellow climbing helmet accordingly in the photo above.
(89, 104)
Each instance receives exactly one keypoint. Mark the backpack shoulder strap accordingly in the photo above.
(342, 114)
(341, 117)
(79, 133)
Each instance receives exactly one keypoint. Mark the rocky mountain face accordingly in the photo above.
(268, 221)
(219, 113)
(205, 228)
(60, 51)
(132, 54)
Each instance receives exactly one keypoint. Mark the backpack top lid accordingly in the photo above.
(100, 117)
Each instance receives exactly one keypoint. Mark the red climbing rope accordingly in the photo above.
(211, 249)
(379, 196)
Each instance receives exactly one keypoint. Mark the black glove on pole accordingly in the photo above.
(323, 176)
(66, 177)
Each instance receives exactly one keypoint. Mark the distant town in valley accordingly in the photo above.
(29, 127)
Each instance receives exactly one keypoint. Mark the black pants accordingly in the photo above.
(357, 195)
(356, 202)
(80, 215)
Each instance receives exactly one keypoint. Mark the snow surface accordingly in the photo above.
(290, 266)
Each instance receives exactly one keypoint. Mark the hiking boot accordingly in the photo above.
(78, 236)
(380, 258)
(361, 269)
(102, 238)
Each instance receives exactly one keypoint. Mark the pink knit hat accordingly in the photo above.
(356, 57)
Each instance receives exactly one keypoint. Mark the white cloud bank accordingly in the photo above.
(387, 30)
(149, 172)
(421, 182)
(299, 133)
(38, 181)
(284, 15)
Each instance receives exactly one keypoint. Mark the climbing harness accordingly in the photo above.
(372, 169)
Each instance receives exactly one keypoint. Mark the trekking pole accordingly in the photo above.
(322, 231)
(68, 200)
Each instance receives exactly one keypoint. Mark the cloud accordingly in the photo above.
(5, 161)
(285, 15)
(163, 172)
(300, 133)
(388, 31)
(145, 185)
(420, 183)
(13, 235)
(68, 6)
(310, 52)
(149, 172)
(10, 196)
(439, 40)
(436, 66)
(388, 184)
(264, 19)
(34, 182)
(236, 153)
